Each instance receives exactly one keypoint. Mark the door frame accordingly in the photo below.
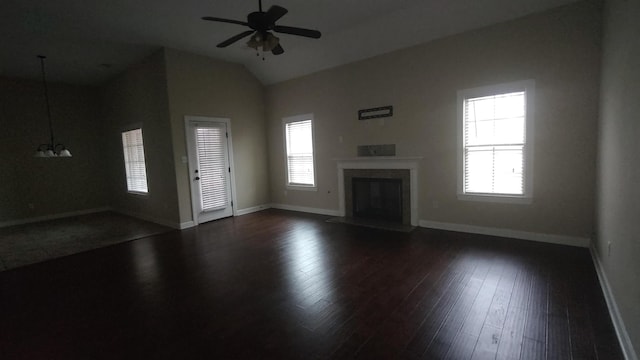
(188, 120)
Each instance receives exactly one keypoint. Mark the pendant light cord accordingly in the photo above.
(46, 96)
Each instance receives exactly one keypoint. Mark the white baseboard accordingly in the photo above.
(616, 318)
(516, 234)
(250, 210)
(53, 216)
(306, 209)
(168, 223)
(186, 225)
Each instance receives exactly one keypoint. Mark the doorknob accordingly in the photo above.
(197, 178)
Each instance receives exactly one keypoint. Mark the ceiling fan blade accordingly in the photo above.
(233, 39)
(277, 50)
(297, 31)
(275, 12)
(211, 18)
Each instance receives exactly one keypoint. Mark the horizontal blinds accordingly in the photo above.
(494, 139)
(212, 167)
(299, 141)
(134, 162)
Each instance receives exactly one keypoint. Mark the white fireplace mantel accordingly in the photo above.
(382, 162)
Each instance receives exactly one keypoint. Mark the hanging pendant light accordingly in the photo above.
(51, 149)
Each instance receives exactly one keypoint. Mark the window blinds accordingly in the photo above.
(299, 141)
(134, 162)
(212, 165)
(494, 144)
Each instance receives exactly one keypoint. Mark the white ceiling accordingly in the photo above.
(88, 41)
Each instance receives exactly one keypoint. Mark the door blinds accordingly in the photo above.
(212, 167)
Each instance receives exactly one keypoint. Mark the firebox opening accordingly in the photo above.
(377, 198)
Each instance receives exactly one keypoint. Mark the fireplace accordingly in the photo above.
(378, 194)
(376, 179)
(378, 199)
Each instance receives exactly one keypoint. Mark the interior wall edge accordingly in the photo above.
(616, 317)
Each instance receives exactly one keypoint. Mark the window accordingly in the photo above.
(495, 142)
(134, 164)
(298, 132)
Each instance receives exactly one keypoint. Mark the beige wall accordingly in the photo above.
(559, 49)
(203, 86)
(139, 96)
(619, 162)
(34, 187)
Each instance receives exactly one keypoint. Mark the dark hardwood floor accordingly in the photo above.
(279, 284)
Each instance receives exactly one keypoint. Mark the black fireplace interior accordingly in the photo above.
(379, 199)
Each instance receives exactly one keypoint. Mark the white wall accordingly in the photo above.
(618, 208)
(203, 86)
(559, 49)
(139, 96)
(33, 188)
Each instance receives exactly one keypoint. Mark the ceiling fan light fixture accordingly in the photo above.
(270, 42)
(254, 43)
(265, 43)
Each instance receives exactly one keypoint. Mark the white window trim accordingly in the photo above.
(525, 85)
(292, 119)
(124, 129)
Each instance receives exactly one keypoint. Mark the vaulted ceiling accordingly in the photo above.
(89, 41)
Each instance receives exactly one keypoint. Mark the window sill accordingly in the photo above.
(505, 199)
(138, 193)
(302, 187)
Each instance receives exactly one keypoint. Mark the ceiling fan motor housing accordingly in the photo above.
(259, 21)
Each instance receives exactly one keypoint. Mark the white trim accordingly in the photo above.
(292, 119)
(528, 86)
(381, 162)
(138, 126)
(186, 225)
(252, 209)
(188, 120)
(380, 158)
(306, 209)
(498, 198)
(302, 187)
(618, 322)
(509, 233)
(53, 216)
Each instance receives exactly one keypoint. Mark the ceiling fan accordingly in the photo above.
(261, 24)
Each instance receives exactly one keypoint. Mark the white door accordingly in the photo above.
(209, 168)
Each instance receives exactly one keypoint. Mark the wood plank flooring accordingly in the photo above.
(279, 285)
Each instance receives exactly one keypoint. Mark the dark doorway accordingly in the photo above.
(376, 198)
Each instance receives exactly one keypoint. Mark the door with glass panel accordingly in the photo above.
(209, 168)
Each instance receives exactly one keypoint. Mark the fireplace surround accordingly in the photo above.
(391, 167)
